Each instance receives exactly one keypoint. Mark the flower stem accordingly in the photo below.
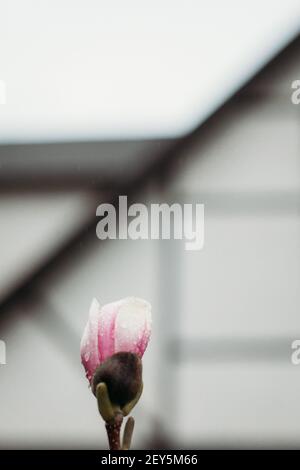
(113, 429)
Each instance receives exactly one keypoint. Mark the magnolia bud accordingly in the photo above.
(122, 374)
(122, 326)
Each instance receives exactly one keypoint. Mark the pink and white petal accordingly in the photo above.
(89, 343)
(133, 326)
(106, 333)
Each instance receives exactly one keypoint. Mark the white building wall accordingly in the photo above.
(218, 368)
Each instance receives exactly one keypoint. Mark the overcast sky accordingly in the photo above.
(94, 69)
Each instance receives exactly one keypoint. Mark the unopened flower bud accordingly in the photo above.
(122, 374)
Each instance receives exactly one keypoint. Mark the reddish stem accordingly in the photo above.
(113, 429)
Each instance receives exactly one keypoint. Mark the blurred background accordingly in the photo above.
(163, 102)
